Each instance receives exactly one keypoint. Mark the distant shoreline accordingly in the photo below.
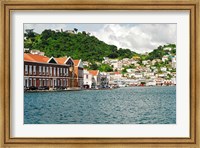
(35, 91)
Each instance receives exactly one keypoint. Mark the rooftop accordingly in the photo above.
(35, 58)
(94, 72)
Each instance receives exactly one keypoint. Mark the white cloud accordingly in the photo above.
(137, 37)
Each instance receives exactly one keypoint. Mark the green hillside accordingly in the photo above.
(83, 46)
(79, 46)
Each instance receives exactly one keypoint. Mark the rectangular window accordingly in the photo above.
(54, 71)
(34, 82)
(50, 71)
(51, 82)
(58, 72)
(26, 69)
(47, 70)
(66, 71)
(61, 82)
(64, 82)
(34, 70)
(61, 71)
(80, 73)
(43, 70)
(40, 70)
(30, 69)
(55, 82)
(40, 82)
(58, 83)
(86, 76)
(30, 82)
(45, 84)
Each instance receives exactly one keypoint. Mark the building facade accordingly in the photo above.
(92, 79)
(78, 73)
(41, 72)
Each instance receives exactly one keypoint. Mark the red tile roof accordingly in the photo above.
(93, 72)
(76, 62)
(117, 72)
(61, 60)
(35, 58)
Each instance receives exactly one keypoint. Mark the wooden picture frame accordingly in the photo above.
(5, 109)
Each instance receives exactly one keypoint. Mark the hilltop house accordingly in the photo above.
(167, 48)
(33, 51)
(165, 58)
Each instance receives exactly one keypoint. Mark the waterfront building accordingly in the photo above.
(151, 83)
(173, 80)
(115, 76)
(91, 79)
(174, 62)
(104, 77)
(78, 73)
(42, 72)
(87, 79)
(96, 78)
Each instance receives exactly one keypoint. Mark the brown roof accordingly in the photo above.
(76, 62)
(94, 72)
(35, 58)
(117, 72)
(61, 60)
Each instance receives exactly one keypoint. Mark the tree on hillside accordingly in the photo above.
(76, 30)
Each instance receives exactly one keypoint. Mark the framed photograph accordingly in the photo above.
(97, 73)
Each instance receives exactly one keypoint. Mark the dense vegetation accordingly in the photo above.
(79, 46)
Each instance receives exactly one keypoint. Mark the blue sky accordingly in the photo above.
(137, 37)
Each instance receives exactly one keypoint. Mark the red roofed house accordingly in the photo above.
(92, 78)
(78, 73)
(43, 73)
(96, 81)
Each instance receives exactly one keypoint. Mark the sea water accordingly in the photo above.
(128, 105)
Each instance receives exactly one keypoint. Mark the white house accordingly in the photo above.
(96, 79)
(164, 58)
(87, 79)
(167, 48)
(174, 62)
(116, 64)
(151, 83)
(144, 62)
(34, 51)
(163, 69)
(130, 70)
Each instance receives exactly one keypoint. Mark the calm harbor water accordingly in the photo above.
(129, 105)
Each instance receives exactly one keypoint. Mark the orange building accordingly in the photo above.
(78, 73)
